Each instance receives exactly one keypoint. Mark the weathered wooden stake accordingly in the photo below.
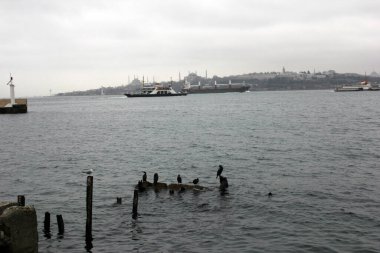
(21, 200)
(135, 203)
(61, 225)
(118, 200)
(47, 223)
(89, 194)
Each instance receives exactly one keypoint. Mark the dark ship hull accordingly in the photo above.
(216, 89)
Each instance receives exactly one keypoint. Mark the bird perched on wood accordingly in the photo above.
(144, 176)
(140, 186)
(196, 181)
(223, 182)
(88, 172)
(155, 178)
(179, 179)
(220, 170)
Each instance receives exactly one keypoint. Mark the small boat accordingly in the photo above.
(156, 91)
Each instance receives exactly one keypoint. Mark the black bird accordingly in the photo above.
(196, 181)
(179, 179)
(155, 178)
(220, 170)
(144, 177)
(270, 194)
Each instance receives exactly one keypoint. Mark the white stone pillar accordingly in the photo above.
(12, 88)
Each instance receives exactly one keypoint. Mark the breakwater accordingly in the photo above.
(21, 106)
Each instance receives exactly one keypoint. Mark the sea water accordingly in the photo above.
(317, 152)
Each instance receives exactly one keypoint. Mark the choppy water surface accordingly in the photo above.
(318, 152)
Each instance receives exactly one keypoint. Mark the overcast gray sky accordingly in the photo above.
(78, 45)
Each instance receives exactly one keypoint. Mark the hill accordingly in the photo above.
(258, 81)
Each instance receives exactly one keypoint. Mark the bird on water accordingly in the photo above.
(144, 176)
(196, 181)
(88, 172)
(179, 179)
(155, 178)
(220, 170)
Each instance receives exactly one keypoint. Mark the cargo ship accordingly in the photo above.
(216, 88)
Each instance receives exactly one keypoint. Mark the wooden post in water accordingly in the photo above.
(21, 200)
(89, 195)
(61, 225)
(135, 203)
(47, 223)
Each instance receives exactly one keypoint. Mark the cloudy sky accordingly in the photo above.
(78, 45)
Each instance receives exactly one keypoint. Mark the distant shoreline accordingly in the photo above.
(256, 81)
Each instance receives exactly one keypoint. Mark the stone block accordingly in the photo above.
(18, 228)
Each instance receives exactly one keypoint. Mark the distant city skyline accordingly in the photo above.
(60, 46)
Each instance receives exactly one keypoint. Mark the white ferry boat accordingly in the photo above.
(363, 86)
(156, 91)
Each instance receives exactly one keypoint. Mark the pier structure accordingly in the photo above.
(13, 105)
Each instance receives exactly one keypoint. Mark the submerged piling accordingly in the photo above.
(89, 195)
(135, 203)
(47, 224)
(21, 200)
(61, 225)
